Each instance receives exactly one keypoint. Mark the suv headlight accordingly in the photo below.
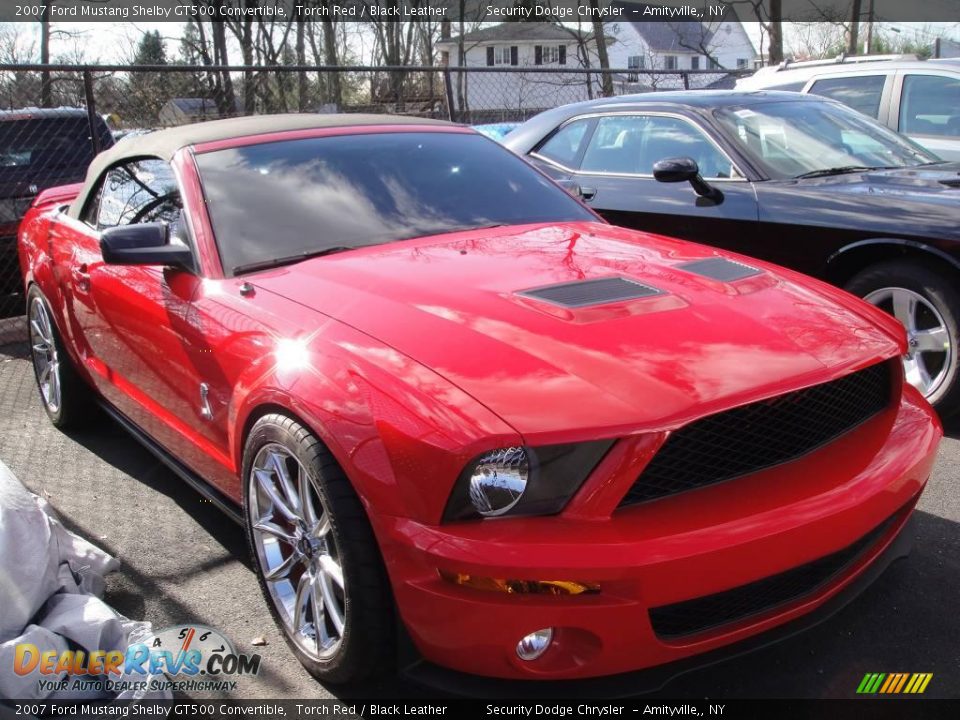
(523, 480)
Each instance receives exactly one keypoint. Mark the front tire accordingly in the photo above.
(317, 561)
(65, 396)
(928, 306)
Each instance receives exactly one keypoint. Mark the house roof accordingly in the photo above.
(662, 35)
(193, 105)
(520, 32)
(164, 144)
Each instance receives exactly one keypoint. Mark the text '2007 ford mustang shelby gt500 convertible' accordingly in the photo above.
(452, 405)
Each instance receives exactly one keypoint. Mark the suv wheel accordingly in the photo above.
(316, 557)
(924, 301)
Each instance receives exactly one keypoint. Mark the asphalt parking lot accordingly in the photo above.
(183, 561)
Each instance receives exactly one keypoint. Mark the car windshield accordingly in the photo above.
(273, 203)
(791, 139)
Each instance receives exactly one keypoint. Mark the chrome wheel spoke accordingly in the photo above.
(331, 569)
(319, 615)
(274, 530)
(265, 481)
(932, 340)
(307, 512)
(321, 528)
(55, 384)
(282, 571)
(905, 308)
(302, 598)
(330, 601)
(282, 472)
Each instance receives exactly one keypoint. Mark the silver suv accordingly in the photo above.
(918, 98)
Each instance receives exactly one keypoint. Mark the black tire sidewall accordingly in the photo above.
(353, 659)
(937, 290)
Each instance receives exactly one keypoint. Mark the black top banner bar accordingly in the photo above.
(475, 10)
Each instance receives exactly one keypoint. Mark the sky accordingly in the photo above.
(114, 42)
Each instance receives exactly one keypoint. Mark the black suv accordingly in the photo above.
(39, 148)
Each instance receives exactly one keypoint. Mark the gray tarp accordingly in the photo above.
(51, 581)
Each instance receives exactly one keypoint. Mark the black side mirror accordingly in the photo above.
(575, 189)
(143, 244)
(684, 169)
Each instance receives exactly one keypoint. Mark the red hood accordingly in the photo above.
(451, 303)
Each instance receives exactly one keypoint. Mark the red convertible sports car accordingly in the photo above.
(454, 408)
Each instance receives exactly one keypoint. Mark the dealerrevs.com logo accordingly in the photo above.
(193, 657)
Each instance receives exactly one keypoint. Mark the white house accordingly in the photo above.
(647, 40)
(526, 52)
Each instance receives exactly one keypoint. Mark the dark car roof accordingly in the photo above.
(34, 113)
(165, 143)
(525, 137)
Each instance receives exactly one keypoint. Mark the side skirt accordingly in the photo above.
(225, 504)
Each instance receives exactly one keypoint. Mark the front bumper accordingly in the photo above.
(857, 492)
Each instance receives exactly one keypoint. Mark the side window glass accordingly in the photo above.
(861, 92)
(142, 191)
(615, 145)
(666, 137)
(632, 144)
(564, 146)
(930, 105)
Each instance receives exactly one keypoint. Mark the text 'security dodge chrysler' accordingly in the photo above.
(456, 410)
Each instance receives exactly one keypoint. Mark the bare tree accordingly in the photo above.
(769, 13)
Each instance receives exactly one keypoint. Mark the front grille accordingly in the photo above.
(694, 616)
(763, 434)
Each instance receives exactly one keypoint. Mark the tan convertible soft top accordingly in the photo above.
(164, 144)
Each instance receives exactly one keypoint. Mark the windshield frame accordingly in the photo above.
(228, 270)
(767, 171)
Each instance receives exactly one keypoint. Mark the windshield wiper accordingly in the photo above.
(826, 172)
(289, 259)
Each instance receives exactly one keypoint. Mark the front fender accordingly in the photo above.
(400, 431)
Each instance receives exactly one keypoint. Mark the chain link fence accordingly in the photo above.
(55, 118)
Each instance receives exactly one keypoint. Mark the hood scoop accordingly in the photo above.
(718, 268)
(586, 293)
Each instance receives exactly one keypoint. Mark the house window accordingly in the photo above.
(741, 63)
(695, 62)
(636, 62)
(550, 55)
(670, 62)
(714, 65)
(502, 55)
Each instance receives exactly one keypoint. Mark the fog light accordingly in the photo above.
(535, 644)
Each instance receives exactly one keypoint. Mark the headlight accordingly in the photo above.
(498, 480)
(523, 480)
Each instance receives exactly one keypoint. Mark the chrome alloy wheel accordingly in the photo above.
(930, 353)
(46, 361)
(297, 552)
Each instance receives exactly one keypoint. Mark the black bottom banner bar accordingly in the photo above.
(460, 709)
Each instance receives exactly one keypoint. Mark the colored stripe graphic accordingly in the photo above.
(894, 683)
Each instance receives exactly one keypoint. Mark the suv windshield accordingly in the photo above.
(275, 202)
(791, 139)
